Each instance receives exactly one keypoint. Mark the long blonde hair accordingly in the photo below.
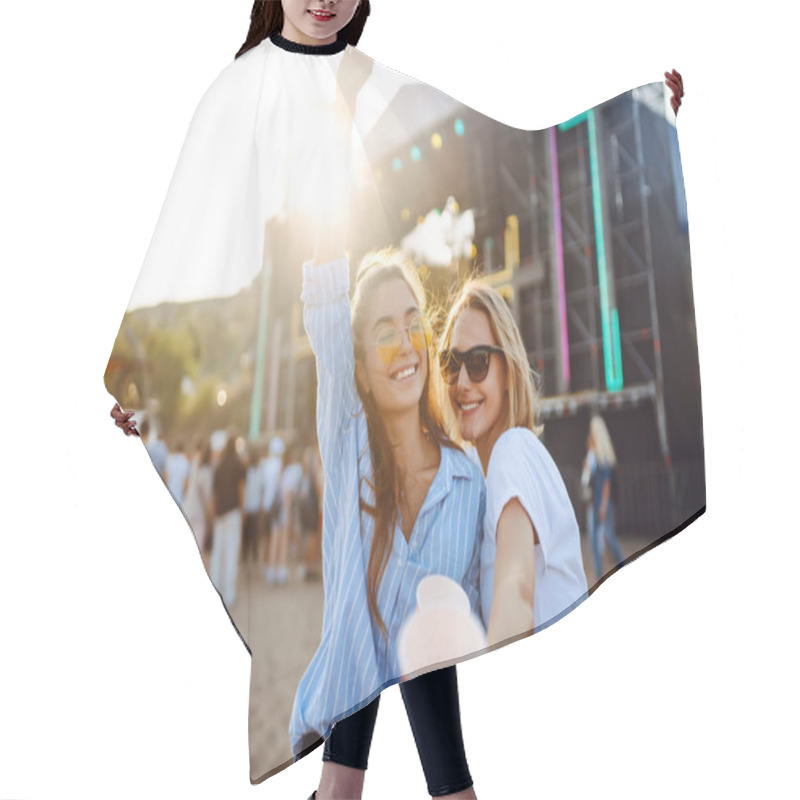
(375, 269)
(523, 397)
(601, 438)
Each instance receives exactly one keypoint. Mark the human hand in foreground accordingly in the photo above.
(124, 420)
(441, 629)
(675, 82)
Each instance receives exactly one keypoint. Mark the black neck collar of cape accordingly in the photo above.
(308, 49)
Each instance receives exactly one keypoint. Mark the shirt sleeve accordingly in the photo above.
(326, 316)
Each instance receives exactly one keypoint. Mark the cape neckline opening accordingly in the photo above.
(308, 49)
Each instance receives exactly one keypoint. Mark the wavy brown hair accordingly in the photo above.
(375, 269)
(266, 19)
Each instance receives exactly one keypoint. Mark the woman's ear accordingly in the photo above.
(361, 376)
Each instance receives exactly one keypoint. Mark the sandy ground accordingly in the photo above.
(282, 626)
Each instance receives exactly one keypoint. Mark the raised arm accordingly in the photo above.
(326, 316)
(326, 313)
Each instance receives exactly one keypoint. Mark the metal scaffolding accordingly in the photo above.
(582, 280)
(564, 230)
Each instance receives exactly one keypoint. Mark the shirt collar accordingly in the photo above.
(460, 465)
(453, 465)
(308, 49)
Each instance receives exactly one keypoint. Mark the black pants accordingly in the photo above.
(431, 702)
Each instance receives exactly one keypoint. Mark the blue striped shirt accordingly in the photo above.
(354, 662)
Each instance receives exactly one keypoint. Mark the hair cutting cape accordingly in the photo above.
(582, 229)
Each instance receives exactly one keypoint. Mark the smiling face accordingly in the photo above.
(396, 386)
(481, 409)
(316, 22)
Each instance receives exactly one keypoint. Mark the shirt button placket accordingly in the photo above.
(400, 565)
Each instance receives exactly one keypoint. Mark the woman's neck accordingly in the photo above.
(294, 34)
(485, 445)
(412, 449)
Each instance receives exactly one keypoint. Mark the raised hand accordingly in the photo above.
(124, 420)
(675, 82)
(441, 628)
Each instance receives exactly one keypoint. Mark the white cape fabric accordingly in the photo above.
(249, 157)
(581, 227)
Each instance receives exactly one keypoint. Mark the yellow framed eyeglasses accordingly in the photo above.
(390, 340)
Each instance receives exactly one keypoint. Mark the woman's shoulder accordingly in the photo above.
(518, 448)
(512, 442)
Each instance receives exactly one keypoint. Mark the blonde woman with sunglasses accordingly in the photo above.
(531, 564)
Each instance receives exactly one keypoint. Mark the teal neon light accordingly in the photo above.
(616, 350)
(609, 317)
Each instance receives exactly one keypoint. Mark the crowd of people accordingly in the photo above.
(247, 503)
(280, 510)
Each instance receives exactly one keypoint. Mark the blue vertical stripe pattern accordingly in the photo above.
(354, 662)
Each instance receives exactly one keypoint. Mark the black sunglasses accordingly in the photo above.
(476, 360)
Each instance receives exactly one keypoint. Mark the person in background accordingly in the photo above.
(252, 505)
(308, 513)
(156, 448)
(178, 472)
(198, 494)
(206, 479)
(271, 468)
(601, 463)
(287, 527)
(228, 513)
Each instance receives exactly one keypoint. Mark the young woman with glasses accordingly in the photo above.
(401, 502)
(531, 564)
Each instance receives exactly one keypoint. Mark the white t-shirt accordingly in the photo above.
(520, 467)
